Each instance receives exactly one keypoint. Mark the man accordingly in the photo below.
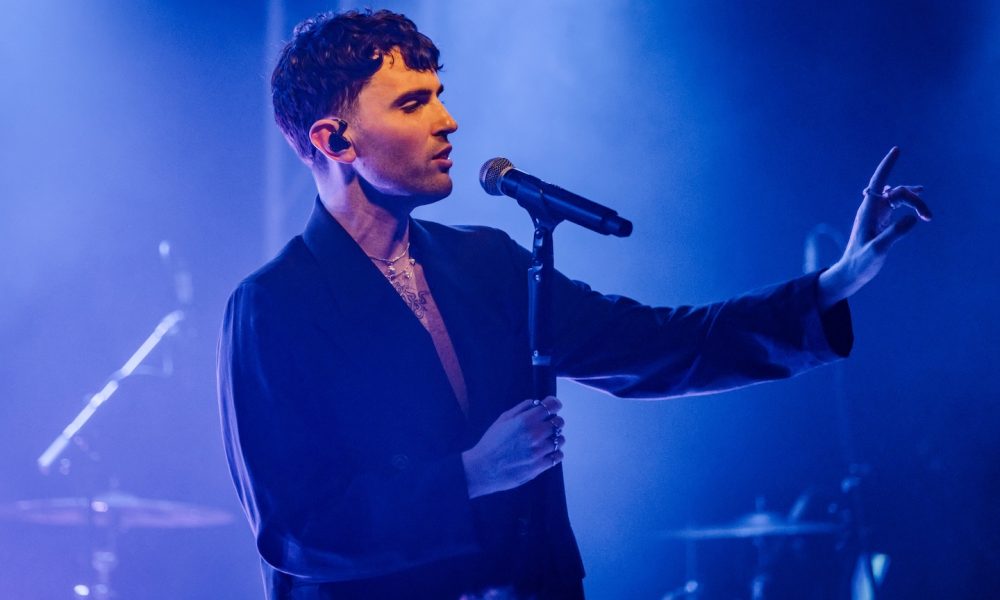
(374, 376)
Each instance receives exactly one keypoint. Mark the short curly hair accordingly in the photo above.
(329, 60)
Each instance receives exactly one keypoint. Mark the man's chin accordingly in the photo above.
(437, 193)
(415, 196)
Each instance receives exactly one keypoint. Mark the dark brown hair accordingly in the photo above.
(321, 71)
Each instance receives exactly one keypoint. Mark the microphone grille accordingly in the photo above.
(491, 172)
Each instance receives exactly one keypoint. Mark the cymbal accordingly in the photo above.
(753, 525)
(114, 508)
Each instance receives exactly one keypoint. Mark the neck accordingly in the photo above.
(378, 223)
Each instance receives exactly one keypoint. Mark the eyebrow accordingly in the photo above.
(420, 94)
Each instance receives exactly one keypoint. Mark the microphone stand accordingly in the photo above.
(540, 320)
(540, 306)
(540, 311)
(104, 558)
(56, 448)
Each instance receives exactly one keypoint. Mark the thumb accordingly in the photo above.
(893, 234)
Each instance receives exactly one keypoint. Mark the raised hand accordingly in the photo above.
(522, 443)
(874, 232)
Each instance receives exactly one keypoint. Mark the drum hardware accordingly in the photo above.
(108, 513)
(756, 526)
(114, 509)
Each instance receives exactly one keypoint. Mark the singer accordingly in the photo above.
(374, 377)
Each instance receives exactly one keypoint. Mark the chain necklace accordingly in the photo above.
(403, 282)
(390, 264)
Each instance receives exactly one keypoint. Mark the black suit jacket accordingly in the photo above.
(344, 436)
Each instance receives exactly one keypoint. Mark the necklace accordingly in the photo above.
(392, 261)
(403, 282)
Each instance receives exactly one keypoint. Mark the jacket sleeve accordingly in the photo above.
(323, 509)
(631, 350)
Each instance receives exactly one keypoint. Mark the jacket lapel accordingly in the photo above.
(372, 321)
(460, 273)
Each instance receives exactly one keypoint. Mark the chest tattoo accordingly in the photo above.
(416, 300)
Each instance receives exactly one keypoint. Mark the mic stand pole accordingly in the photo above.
(540, 273)
(540, 310)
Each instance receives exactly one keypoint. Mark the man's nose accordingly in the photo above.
(448, 124)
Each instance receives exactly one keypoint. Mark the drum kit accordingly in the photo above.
(767, 529)
(106, 514)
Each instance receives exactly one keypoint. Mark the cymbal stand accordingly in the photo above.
(857, 469)
(103, 556)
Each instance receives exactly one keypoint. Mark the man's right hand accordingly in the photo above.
(518, 446)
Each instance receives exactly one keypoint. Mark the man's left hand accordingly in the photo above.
(873, 234)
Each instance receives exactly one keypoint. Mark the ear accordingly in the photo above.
(320, 134)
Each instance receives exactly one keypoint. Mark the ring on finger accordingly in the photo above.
(537, 402)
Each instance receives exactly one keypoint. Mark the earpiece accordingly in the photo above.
(337, 141)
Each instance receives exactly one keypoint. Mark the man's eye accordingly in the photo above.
(411, 107)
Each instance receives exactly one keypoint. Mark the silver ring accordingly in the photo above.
(870, 192)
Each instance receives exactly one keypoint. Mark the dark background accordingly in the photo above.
(726, 131)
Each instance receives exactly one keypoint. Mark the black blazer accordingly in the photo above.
(350, 471)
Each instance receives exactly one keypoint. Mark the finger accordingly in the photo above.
(547, 408)
(543, 431)
(545, 462)
(518, 409)
(893, 234)
(904, 195)
(547, 444)
(914, 188)
(552, 404)
(881, 174)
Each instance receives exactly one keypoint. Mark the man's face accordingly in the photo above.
(399, 130)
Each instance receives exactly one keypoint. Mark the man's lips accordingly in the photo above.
(442, 160)
(443, 154)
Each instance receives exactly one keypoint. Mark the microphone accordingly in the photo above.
(499, 177)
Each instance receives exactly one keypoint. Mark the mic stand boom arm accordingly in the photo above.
(55, 449)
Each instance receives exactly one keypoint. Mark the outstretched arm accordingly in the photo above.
(874, 232)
